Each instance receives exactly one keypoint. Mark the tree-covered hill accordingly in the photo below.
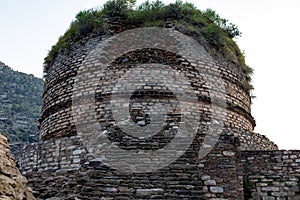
(20, 105)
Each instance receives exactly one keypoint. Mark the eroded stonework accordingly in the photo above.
(57, 115)
(12, 183)
(240, 164)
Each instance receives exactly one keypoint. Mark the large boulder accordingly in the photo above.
(12, 183)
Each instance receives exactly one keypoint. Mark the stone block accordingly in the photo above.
(216, 190)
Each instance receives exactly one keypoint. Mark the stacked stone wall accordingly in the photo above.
(13, 186)
(225, 173)
(57, 115)
(271, 175)
(66, 163)
(223, 166)
(253, 141)
(63, 169)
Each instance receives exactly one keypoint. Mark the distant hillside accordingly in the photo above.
(20, 105)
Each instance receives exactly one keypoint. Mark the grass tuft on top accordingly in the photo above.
(207, 27)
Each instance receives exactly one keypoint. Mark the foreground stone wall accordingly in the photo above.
(63, 168)
(271, 174)
(253, 141)
(12, 183)
(223, 166)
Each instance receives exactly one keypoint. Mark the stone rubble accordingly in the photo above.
(12, 183)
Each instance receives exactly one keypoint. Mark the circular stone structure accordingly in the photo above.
(222, 99)
(143, 113)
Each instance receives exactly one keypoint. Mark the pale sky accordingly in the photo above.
(270, 39)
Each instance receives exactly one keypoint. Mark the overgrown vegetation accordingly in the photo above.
(207, 27)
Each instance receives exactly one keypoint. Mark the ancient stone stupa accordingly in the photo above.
(152, 103)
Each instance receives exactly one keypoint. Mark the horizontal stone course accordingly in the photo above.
(63, 164)
(90, 178)
(272, 174)
(56, 119)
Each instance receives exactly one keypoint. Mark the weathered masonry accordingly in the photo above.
(12, 183)
(66, 164)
